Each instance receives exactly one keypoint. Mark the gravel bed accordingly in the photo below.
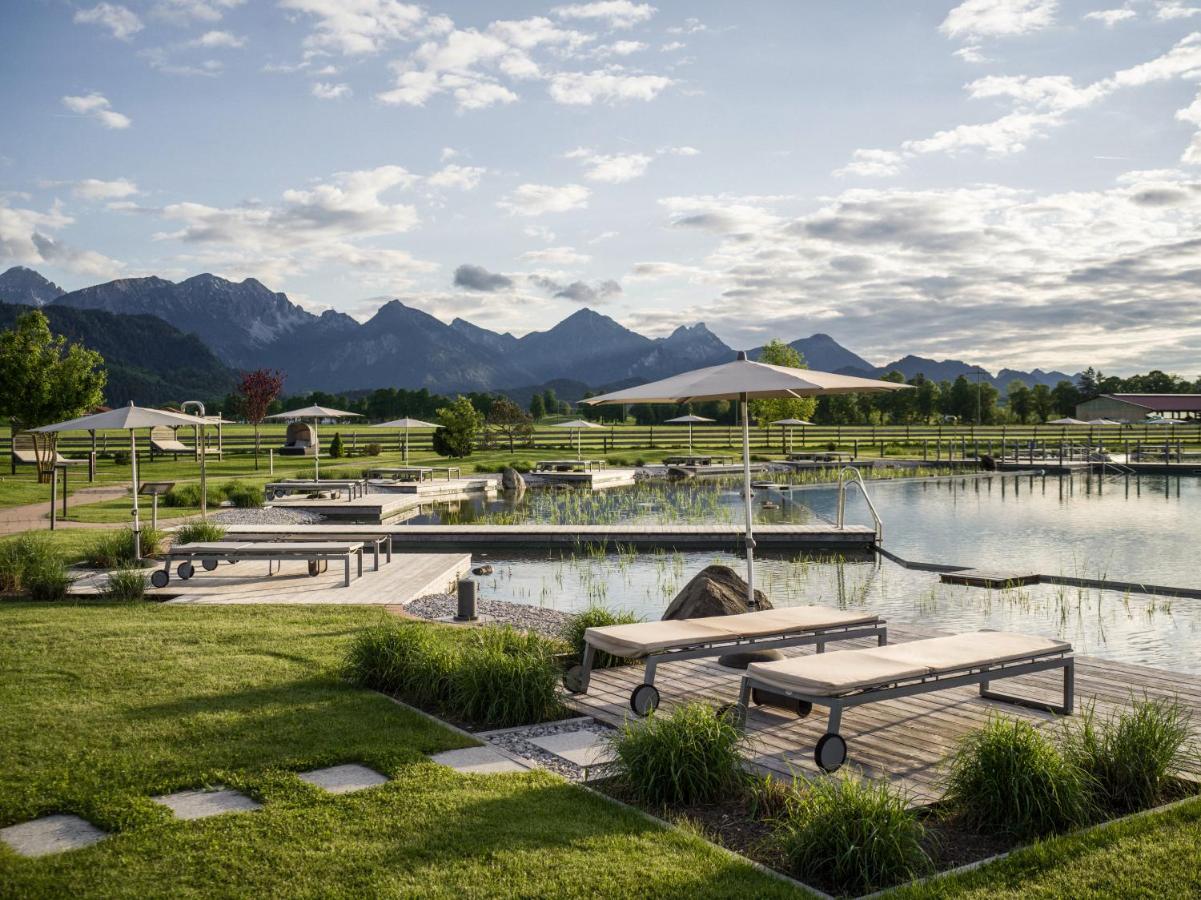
(267, 516)
(549, 622)
(518, 742)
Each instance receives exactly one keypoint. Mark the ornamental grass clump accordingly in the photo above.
(410, 660)
(31, 564)
(199, 532)
(1130, 756)
(852, 834)
(188, 496)
(505, 677)
(595, 617)
(242, 495)
(690, 756)
(125, 584)
(1008, 777)
(116, 549)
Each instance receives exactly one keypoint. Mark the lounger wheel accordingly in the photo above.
(160, 577)
(209, 564)
(830, 753)
(734, 713)
(573, 680)
(644, 699)
(186, 570)
(802, 708)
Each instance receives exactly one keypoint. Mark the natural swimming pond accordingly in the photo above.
(1133, 529)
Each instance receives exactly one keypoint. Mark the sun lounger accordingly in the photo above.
(24, 452)
(375, 540)
(857, 677)
(351, 487)
(676, 640)
(210, 554)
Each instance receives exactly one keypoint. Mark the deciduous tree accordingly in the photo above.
(461, 423)
(777, 353)
(509, 420)
(256, 392)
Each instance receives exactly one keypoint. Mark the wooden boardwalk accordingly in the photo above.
(902, 741)
(408, 576)
(383, 504)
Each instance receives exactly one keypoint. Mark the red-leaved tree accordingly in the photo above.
(257, 390)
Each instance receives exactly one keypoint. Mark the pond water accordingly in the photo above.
(1129, 529)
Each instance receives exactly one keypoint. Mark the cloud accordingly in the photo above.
(95, 189)
(1169, 11)
(477, 278)
(358, 27)
(577, 291)
(328, 91)
(463, 178)
(613, 85)
(614, 13)
(614, 169)
(619, 48)
(159, 59)
(566, 257)
(1110, 17)
(998, 18)
(212, 39)
(873, 163)
(1192, 115)
(97, 106)
(25, 239)
(121, 21)
(185, 12)
(539, 199)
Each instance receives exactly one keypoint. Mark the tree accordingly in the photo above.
(43, 380)
(257, 390)
(1041, 402)
(336, 448)
(1020, 401)
(461, 423)
(927, 398)
(1065, 396)
(537, 406)
(550, 401)
(777, 353)
(511, 421)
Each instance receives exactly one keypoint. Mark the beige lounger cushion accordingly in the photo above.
(637, 640)
(786, 619)
(642, 638)
(831, 674)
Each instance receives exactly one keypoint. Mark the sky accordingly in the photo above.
(1011, 182)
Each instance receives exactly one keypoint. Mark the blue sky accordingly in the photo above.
(1014, 182)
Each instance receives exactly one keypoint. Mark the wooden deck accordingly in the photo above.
(408, 576)
(396, 500)
(902, 741)
(594, 479)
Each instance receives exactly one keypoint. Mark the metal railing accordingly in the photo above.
(842, 499)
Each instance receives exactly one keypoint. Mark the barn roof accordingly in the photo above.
(1161, 402)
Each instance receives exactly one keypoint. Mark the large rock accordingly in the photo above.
(713, 591)
(512, 480)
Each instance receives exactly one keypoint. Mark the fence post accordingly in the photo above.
(271, 460)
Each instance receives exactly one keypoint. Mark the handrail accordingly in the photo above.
(842, 500)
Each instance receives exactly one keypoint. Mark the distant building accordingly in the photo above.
(1137, 407)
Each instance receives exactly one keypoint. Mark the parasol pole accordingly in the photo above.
(746, 497)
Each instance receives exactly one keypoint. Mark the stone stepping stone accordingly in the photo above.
(188, 805)
(51, 834)
(344, 779)
(478, 761)
(583, 748)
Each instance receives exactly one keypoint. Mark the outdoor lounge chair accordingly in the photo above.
(163, 439)
(301, 440)
(25, 452)
(676, 640)
(209, 553)
(857, 677)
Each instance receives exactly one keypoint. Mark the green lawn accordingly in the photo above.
(103, 705)
(73, 542)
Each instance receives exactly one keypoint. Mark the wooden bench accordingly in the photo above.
(210, 554)
(352, 487)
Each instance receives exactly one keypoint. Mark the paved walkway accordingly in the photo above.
(14, 519)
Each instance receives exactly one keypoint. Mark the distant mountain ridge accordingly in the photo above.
(249, 326)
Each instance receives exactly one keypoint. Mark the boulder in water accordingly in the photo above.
(714, 591)
(512, 480)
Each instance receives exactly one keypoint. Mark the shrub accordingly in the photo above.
(856, 835)
(242, 495)
(409, 659)
(188, 495)
(193, 532)
(373, 450)
(505, 677)
(595, 617)
(126, 583)
(336, 450)
(640, 462)
(1131, 755)
(121, 457)
(32, 564)
(116, 549)
(690, 756)
(1008, 777)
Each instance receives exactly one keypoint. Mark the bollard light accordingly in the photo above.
(467, 611)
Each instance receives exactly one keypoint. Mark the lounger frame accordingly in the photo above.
(926, 684)
(274, 558)
(351, 487)
(818, 637)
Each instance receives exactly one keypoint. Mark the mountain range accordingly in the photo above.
(246, 325)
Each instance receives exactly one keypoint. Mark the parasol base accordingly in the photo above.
(742, 660)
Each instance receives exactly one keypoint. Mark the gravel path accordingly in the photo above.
(549, 622)
(267, 516)
(517, 741)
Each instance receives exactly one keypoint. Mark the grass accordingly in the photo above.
(1008, 777)
(596, 616)
(115, 548)
(127, 584)
(193, 532)
(105, 705)
(689, 756)
(32, 564)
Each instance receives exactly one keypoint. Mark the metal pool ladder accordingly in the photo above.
(856, 477)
